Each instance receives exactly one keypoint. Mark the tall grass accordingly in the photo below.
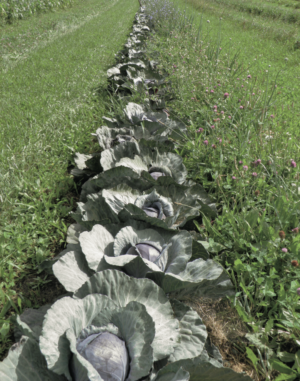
(249, 163)
(12, 10)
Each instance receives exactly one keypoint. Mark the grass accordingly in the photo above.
(53, 81)
(236, 93)
(14, 10)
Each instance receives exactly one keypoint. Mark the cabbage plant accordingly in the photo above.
(139, 159)
(144, 156)
(169, 206)
(114, 328)
(161, 255)
(109, 136)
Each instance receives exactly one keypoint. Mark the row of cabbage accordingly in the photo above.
(131, 257)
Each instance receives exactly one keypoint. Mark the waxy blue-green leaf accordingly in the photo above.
(192, 332)
(201, 368)
(200, 278)
(25, 362)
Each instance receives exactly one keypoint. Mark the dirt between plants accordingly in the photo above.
(226, 331)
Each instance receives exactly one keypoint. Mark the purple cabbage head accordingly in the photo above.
(155, 210)
(155, 173)
(146, 250)
(108, 355)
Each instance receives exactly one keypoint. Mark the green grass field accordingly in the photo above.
(53, 80)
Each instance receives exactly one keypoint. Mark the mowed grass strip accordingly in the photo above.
(259, 52)
(52, 97)
(280, 24)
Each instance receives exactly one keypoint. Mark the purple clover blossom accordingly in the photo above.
(222, 112)
(245, 167)
(293, 164)
(200, 129)
(233, 178)
(241, 162)
(229, 117)
(206, 142)
(254, 174)
(212, 127)
(241, 107)
(226, 95)
(249, 76)
(284, 250)
(256, 162)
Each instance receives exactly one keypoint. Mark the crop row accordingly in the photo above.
(131, 255)
(11, 10)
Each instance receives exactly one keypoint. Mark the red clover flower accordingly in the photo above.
(293, 164)
(284, 250)
(205, 142)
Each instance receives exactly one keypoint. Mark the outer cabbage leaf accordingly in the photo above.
(112, 178)
(86, 165)
(30, 322)
(193, 332)
(123, 289)
(108, 137)
(201, 368)
(25, 362)
(200, 278)
(72, 270)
